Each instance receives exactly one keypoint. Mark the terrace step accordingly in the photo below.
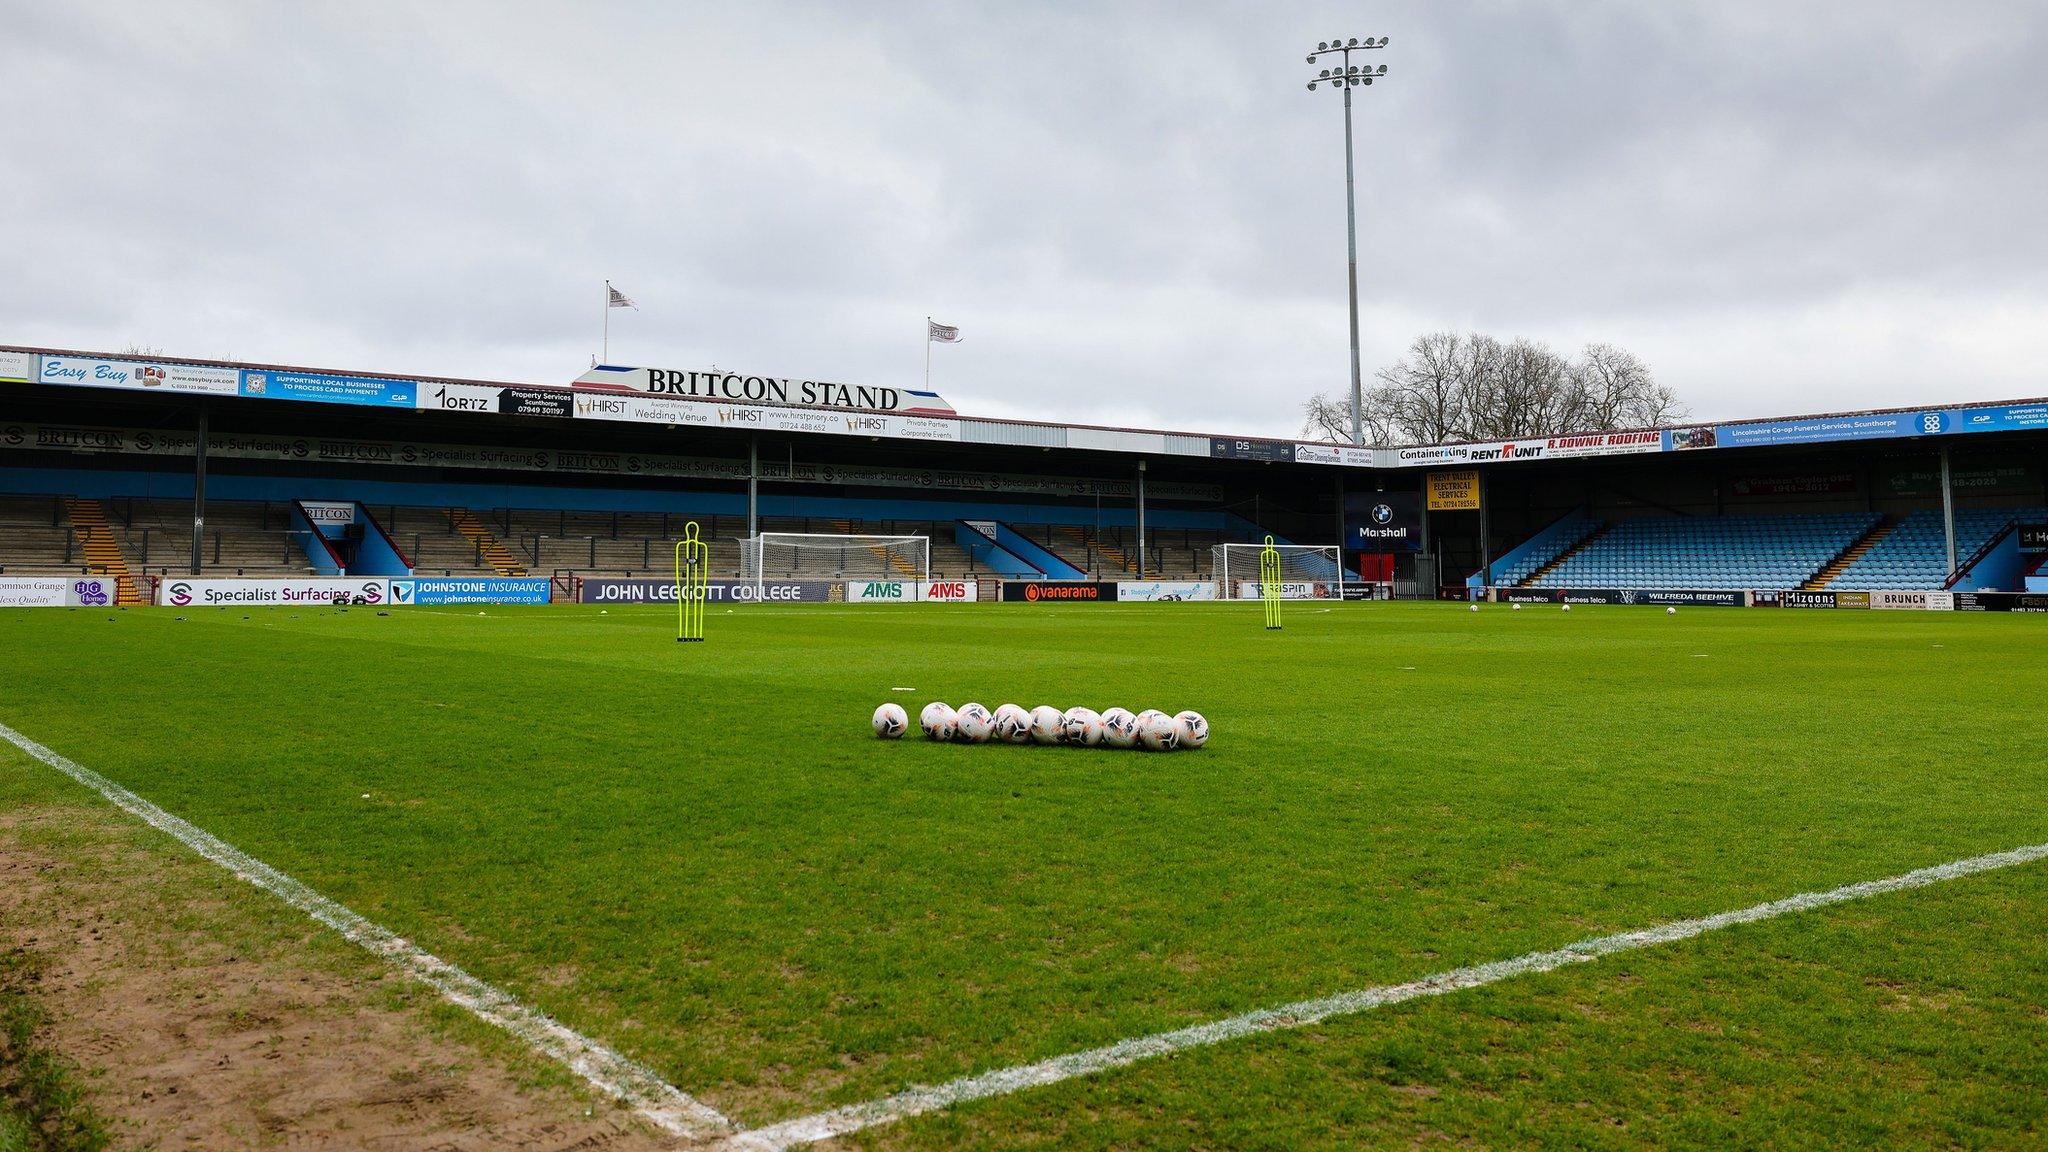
(102, 551)
(1565, 555)
(1850, 555)
(1097, 545)
(487, 543)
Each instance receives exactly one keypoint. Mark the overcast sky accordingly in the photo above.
(1135, 213)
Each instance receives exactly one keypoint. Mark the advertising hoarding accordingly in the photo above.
(140, 375)
(1058, 591)
(642, 591)
(180, 591)
(429, 590)
(1452, 491)
(322, 388)
(910, 591)
(1166, 590)
(1383, 521)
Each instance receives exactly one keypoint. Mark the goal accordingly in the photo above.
(1307, 571)
(826, 556)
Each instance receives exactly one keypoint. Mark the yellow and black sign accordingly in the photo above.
(1453, 491)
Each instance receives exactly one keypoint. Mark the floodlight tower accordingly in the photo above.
(1345, 77)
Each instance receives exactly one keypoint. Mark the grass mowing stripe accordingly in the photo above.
(1002, 1082)
(663, 1105)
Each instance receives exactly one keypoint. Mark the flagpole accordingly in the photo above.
(927, 353)
(607, 321)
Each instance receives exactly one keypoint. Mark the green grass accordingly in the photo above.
(699, 855)
(43, 1105)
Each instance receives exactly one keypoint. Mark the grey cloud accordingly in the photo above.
(1135, 212)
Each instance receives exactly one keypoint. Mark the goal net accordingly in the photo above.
(1307, 571)
(821, 556)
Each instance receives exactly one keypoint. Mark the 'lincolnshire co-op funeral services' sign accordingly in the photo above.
(739, 387)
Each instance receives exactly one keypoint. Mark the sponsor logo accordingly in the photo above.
(1059, 592)
(92, 593)
(600, 406)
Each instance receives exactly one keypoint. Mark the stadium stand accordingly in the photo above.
(1732, 552)
(1914, 554)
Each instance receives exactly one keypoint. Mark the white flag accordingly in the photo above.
(619, 299)
(944, 333)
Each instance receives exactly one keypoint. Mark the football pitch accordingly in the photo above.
(699, 855)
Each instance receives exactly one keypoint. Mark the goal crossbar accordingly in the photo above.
(1307, 571)
(834, 556)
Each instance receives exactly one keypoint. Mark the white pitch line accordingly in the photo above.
(665, 1106)
(915, 1101)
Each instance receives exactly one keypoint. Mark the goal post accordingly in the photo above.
(832, 556)
(1307, 571)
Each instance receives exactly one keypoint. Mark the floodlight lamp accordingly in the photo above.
(1323, 46)
(1353, 43)
(1367, 80)
(1311, 57)
(1383, 69)
(1383, 41)
(1311, 85)
(1324, 72)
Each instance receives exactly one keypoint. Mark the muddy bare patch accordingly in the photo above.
(205, 1024)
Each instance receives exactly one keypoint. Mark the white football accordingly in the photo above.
(1157, 731)
(937, 720)
(1671, 611)
(1083, 727)
(1475, 607)
(1119, 728)
(891, 721)
(1194, 729)
(1012, 724)
(973, 724)
(1518, 607)
(1047, 724)
(1567, 607)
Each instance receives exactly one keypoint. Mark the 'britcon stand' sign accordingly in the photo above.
(689, 385)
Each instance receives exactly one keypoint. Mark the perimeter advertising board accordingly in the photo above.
(1293, 590)
(472, 590)
(179, 592)
(910, 591)
(1166, 590)
(52, 592)
(631, 591)
(17, 367)
(1058, 591)
(2001, 601)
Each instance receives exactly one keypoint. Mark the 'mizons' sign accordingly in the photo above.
(692, 385)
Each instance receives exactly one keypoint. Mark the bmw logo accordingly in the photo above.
(1382, 514)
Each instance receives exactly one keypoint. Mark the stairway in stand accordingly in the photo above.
(1854, 552)
(103, 554)
(895, 560)
(1098, 546)
(488, 545)
(1563, 556)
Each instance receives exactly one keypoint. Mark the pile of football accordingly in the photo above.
(1076, 727)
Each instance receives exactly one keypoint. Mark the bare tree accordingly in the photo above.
(1459, 386)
